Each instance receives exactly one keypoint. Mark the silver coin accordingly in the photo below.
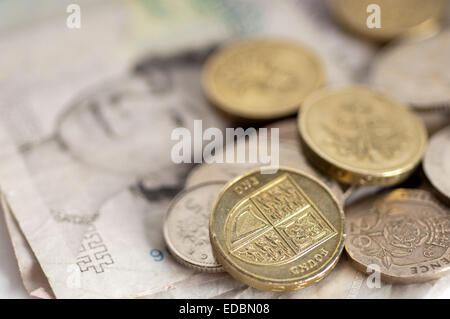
(404, 232)
(416, 72)
(436, 163)
(186, 227)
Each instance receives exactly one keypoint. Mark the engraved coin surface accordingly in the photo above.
(436, 163)
(360, 136)
(278, 232)
(417, 73)
(405, 232)
(186, 229)
(396, 17)
(261, 79)
(290, 155)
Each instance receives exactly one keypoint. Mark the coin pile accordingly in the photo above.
(287, 230)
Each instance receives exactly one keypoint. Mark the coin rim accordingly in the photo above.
(175, 253)
(342, 171)
(232, 45)
(263, 283)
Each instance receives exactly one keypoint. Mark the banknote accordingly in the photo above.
(33, 278)
(72, 185)
(115, 34)
(86, 123)
(36, 284)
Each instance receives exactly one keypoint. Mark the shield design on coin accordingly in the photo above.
(276, 224)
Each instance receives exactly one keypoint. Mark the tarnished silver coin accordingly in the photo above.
(406, 233)
(417, 73)
(186, 227)
(436, 163)
(290, 155)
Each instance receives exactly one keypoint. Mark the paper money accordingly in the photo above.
(33, 278)
(78, 127)
(344, 282)
(74, 185)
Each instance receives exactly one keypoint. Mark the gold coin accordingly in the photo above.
(289, 134)
(399, 17)
(404, 232)
(261, 79)
(360, 136)
(278, 232)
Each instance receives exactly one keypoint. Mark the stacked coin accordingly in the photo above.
(285, 230)
(360, 136)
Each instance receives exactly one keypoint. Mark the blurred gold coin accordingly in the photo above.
(360, 136)
(261, 79)
(278, 232)
(404, 232)
(398, 17)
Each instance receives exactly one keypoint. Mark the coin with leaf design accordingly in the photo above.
(261, 79)
(360, 136)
